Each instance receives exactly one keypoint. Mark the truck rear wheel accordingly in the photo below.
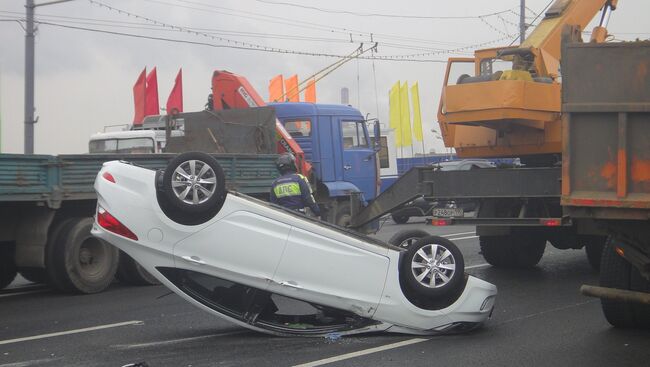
(343, 214)
(80, 262)
(7, 265)
(616, 272)
(594, 250)
(130, 272)
(512, 251)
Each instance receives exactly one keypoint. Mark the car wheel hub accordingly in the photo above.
(433, 266)
(194, 182)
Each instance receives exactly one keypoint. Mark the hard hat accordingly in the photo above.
(286, 162)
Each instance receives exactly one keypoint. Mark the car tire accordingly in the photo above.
(594, 250)
(7, 265)
(130, 272)
(194, 183)
(616, 272)
(400, 219)
(433, 267)
(81, 262)
(406, 238)
(203, 200)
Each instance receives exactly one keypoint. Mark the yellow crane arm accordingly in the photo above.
(547, 36)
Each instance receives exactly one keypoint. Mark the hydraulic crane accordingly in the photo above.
(505, 102)
(230, 90)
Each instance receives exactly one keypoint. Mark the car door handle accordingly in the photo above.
(347, 166)
(193, 259)
(291, 284)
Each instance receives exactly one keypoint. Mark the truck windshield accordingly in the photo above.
(131, 145)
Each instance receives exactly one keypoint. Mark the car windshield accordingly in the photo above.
(131, 145)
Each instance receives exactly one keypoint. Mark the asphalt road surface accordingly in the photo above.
(540, 320)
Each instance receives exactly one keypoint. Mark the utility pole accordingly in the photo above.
(522, 21)
(29, 77)
(29, 72)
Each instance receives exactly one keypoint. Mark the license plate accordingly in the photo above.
(447, 212)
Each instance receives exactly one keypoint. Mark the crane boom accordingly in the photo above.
(231, 91)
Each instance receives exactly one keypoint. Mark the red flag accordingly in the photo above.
(139, 92)
(310, 91)
(175, 99)
(151, 106)
(291, 89)
(276, 89)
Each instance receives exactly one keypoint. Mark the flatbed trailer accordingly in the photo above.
(46, 203)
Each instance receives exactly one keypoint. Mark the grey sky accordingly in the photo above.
(84, 79)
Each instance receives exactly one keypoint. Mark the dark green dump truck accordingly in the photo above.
(47, 204)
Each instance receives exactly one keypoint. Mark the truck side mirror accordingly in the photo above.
(377, 133)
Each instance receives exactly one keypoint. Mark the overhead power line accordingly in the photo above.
(362, 14)
(252, 46)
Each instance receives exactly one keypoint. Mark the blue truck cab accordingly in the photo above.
(336, 141)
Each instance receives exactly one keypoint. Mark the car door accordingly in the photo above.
(359, 166)
(322, 268)
(243, 247)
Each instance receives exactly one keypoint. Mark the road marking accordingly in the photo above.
(477, 266)
(457, 234)
(24, 292)
(462, 238)
(33, 362)
(361, 353)
(174, 341)
(68, 332)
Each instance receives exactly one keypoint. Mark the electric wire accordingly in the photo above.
(334, 11)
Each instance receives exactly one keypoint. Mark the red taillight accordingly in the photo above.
(111, 224)
(440, 222)
(551, 222)
(108, 177)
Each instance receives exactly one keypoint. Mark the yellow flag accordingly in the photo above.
(417, 118)
(405, 115)
(394, 117)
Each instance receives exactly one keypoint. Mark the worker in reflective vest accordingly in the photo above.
(292, 189)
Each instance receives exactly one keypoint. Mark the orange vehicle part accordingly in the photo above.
(508, 101)
(232, 91)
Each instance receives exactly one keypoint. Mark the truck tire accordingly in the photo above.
(528, 250)
(194, 183)
(81, 262)
(512, 251)
(616, 272)
(495, 250)
(433, 267)
(407, 237)
(343, 214)
(130, 272)
(7, 265)
(594, 250)
(55, 278)
(400, 219)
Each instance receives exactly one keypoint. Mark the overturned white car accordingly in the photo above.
(274, 270)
